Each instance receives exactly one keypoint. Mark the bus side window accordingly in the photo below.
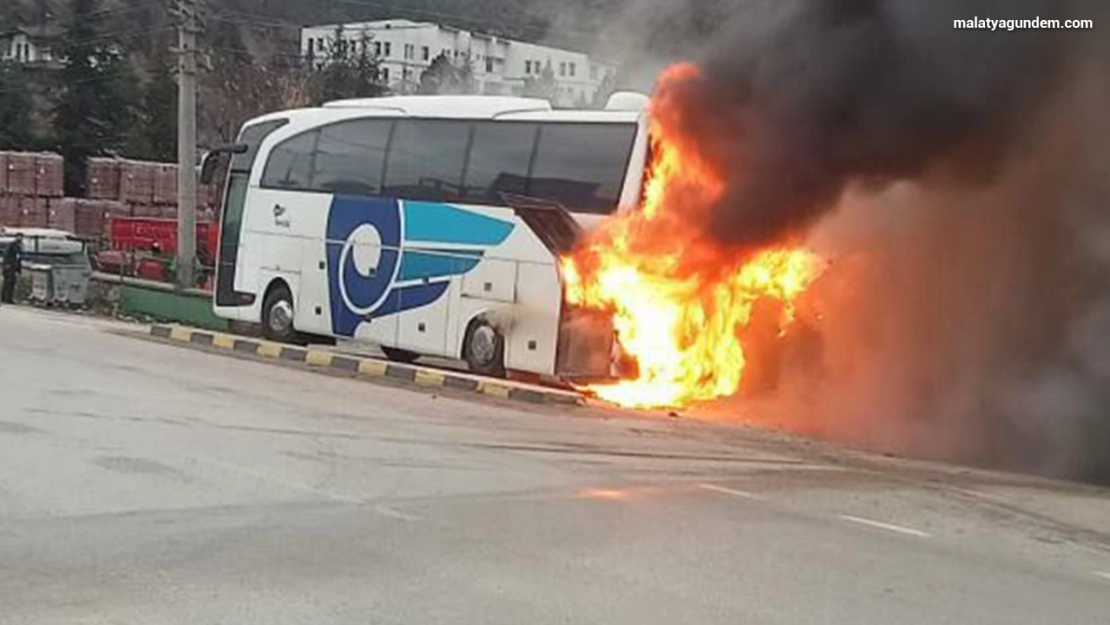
(290, 163)
(500, 157)
(426, 160)
(582, 166)
(350, 157)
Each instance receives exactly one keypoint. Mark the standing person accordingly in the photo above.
(13, 266)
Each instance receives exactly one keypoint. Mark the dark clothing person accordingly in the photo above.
(13, 266)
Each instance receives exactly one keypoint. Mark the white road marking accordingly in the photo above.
(743, 494)
(1102, 574)
(909, 531)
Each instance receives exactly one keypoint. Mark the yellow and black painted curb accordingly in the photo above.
(363, 367)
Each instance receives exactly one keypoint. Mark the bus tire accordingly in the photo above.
(402, 356)
(277, 315)
(484, 350)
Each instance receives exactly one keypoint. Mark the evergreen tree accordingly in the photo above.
(605, 90)
(96, 105)
(15, 108)
(445, 78)
(156, 133)
(543, 87)
(351, 70)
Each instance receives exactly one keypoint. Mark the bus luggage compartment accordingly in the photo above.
(586, 341)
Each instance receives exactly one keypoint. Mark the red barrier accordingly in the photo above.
(133, 234)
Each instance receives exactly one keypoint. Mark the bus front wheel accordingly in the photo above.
(485, 350)
(277, 315)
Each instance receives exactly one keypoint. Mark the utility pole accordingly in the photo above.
(186, 141)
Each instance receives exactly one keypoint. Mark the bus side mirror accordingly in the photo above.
(211, 162)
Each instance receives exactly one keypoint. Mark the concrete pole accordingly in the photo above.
(186, 143)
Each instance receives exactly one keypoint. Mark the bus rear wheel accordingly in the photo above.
(277, 316)
(484, 350)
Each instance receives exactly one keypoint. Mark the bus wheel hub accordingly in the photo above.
(483, 344)
(281, 316)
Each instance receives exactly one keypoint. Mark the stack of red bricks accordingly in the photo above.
(149, 190)
(31, 189)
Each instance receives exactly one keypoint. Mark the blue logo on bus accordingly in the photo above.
(387, 256)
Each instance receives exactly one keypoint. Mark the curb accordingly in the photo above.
(370, 368)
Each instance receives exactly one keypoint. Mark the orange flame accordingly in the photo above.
(680, 305)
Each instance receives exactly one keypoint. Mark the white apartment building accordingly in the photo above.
(406, 48)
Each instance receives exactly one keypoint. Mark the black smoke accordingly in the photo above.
(958, 180)
(800, 99)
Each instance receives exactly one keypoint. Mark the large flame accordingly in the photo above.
(681, 304)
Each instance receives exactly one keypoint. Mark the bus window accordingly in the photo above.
(290, 164)
(582, 166)
(252, 137)
(350, 157)
(499, 159)
(426, 160)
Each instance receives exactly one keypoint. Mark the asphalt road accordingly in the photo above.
(146, 483)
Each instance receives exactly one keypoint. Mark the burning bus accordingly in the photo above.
(501, 232)
(431, 226)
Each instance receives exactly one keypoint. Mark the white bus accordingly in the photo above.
(426, 225)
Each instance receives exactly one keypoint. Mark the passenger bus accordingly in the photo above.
(428, 225)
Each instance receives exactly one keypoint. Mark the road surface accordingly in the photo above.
(146, 483)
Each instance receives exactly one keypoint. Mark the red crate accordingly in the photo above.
(63, 214)
(33, 212)
(21, 173)
(165, 184)
(103, 178)
(49, 175)
(9, 211)
(136, 182)
(91, 216)
(88, 218)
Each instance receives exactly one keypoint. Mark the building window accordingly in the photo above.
(311, 47)
(385, 74)
(377, 48)
(562, 69)
(528, 67)
(427, 53)
(489, 65)
(388, 49)
(573, 69)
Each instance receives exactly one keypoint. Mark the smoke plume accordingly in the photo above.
(959, 180)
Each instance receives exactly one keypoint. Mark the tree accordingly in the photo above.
(155, 136)
(95, 109)
(605, 90)
(237, 87)
(351, 70)
(15, 108)
(543, 87)
(445, 78)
